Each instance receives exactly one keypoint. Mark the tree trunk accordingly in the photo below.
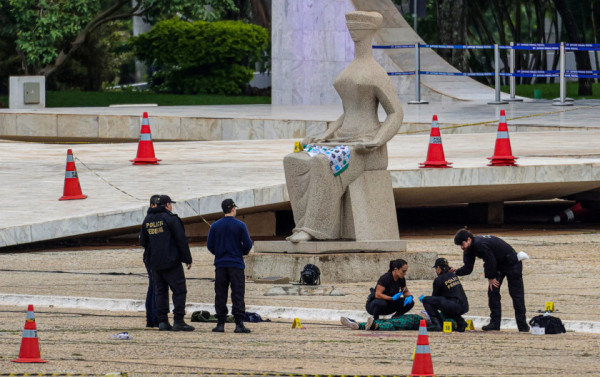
(582, 58)
(451, 22)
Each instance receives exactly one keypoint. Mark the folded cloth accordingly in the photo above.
(339, 156)
(122, 336)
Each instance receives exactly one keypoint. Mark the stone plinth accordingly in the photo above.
(325, 247)
(339, 267)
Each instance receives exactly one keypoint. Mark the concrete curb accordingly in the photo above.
(305, 314)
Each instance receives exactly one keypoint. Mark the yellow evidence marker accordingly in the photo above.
(296, 324)
(470, 325)
(447, 326)
(549, 307)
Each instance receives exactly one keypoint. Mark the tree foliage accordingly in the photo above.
(505, 21)
(47, 32)
(202, 57)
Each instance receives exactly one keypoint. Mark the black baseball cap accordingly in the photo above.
(440, 262)
(163, 200)
(227, 205)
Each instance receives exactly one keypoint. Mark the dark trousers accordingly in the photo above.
(514, 276)
(379, 307)
(173, 278)
(151, 314)
(224, 277)
(451, 308)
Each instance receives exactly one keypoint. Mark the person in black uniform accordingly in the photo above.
(391, 286)
(448, 296)
(499, 260)
(151, 314)
(163, 233)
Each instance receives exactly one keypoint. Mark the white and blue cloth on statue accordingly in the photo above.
(339, 156)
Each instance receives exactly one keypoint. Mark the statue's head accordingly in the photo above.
(362, 24)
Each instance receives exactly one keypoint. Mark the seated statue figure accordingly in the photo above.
(353, 144)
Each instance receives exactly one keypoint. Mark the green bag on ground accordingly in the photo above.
(205, 316)
(404, 322)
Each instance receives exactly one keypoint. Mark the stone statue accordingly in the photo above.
(357, 140)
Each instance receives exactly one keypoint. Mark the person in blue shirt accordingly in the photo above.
(229, 241)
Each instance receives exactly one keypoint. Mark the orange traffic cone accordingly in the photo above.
(145, 152)
(435, 152)
(72, 188)
(422, 366)
(576, 213)
(30, 348)
(503, 153)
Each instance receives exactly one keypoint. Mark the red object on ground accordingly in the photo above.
(30, 348)
(503, 152)
(422, 366)
(72, 188)
(435, 152)
(145, 152)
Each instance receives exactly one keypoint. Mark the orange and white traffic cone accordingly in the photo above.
(503, 152)
(576, 212)
(145, 152)
(30, 347)
(422, 366)
(72, 188)
(435, 152)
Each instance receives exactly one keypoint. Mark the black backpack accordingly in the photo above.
(552, 325)
(310, 275)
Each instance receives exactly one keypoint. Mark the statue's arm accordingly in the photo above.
(327, 134)
(391, 104)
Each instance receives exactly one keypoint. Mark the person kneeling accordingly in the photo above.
(448, 297)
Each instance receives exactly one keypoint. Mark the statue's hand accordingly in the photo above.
(365, 147)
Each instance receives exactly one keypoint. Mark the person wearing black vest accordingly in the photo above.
(391, 286)
(448, 296)
(151, 314)
(499, 261)
(163, 235)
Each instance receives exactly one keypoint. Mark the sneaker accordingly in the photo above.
(165, 326)
(349, 323)
(491, 327)
(371, 325)
(241, 329)
(219, 328)
(182, 326)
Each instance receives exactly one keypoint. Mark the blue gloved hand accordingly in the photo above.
(408, 300)
(421, 298)
(397, 296)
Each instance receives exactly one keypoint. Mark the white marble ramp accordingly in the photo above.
(200, 174)
(259, 122)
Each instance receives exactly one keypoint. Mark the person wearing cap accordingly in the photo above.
(163, 233)
(448, 296)
(151, 313)
(387, 296)
(229, 241)
(500, 260)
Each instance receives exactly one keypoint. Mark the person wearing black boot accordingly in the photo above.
(448, 296)
(385, 298)
(163, 235)
(500, 260)
(229, 241)
(151, 313)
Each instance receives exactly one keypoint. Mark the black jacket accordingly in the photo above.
(448, 285)
(497, 255)
(164, 235)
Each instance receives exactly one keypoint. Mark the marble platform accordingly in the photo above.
(199, 175)
(319, 247)
(259, 122)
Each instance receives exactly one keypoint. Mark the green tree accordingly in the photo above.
(47, 32)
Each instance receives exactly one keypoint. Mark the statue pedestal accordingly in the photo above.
(339, 261)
